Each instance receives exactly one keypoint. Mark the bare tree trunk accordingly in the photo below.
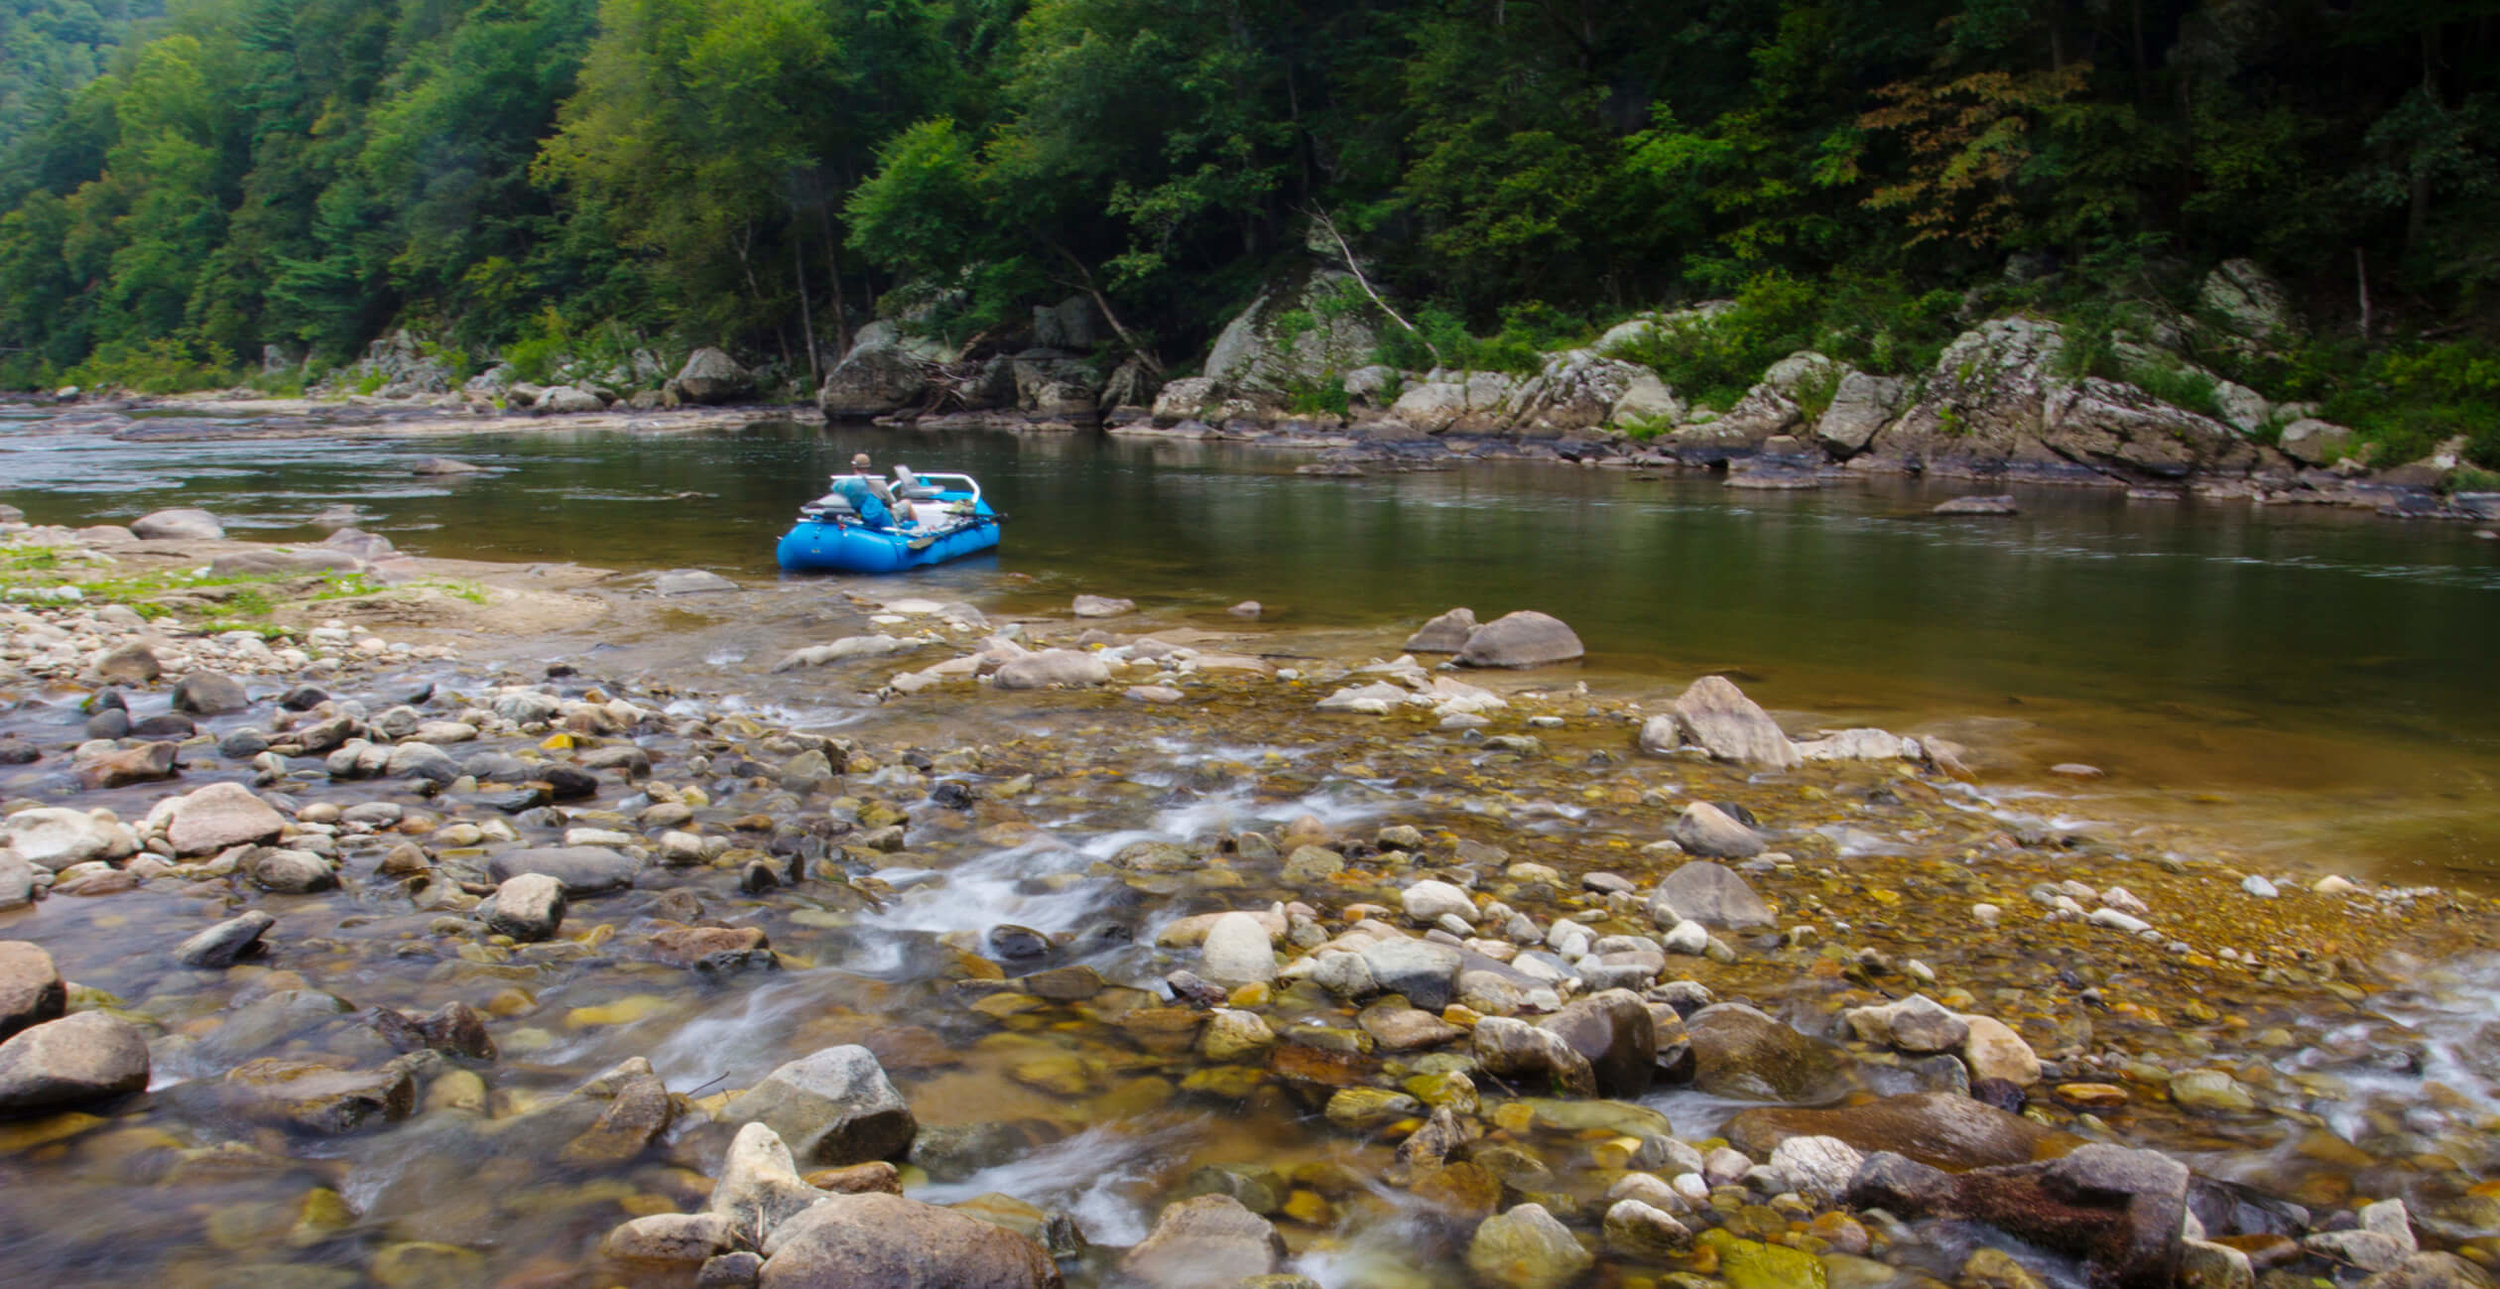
(746, 265)
(2361, 278)
(807, 320)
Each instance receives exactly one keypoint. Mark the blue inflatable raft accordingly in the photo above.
(931, 523)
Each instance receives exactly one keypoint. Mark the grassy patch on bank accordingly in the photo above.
(239, 599)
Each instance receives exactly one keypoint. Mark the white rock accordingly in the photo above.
(1819, 1165)
(2118, 921)
(1237, 952)
(1429, 901)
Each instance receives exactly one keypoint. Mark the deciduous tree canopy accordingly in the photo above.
(769, 174)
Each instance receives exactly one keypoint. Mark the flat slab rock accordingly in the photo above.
(1942, 1129)
(584, 870)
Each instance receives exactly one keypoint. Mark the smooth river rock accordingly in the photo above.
(1708, 893)
(526, 906)
(220, 815)
(1445, 634)
(833, 1107)
(31, 991)
(584, 870)
(223, 944)
(1523, 639)
(1942, 1129)
(879, 1241)
(209, 693)
(1612, 1029)
(1526, 1248)
(166, 525)
(1704, 829)
(1740, 1052)
(55, 837)
(1207, 1242)
(1237, 951)
(76, 1060)
(1052, 667)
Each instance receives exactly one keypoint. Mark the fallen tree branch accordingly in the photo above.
(1085, 283)
(1330, 227)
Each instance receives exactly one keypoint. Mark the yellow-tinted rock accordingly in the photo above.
(623, 1011)
(427, 1266)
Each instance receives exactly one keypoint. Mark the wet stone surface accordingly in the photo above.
(635, 985)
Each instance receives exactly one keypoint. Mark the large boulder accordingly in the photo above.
(1306, 330)
(274, 559)
(879, 376)
(1941, 1129)
(1207, 1242)
(1188, 398)
(2121, 1211)
(564, 400)
(833, 1107)
(117, 767)
(2250, 306)
(1237, 951)
(318, 1095)
(1458, 402)
(76, 1060)
(1526, 638)
(166, 525)
(1741, 1053)
(1861, 405)
(711, 376)
(1056, 385)
(1715, 716)
(2311, 441)
(880, 1241)
(1577, 389)
(1780, 402)
(1998, 402)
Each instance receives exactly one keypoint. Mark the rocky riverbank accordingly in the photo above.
(1088, 948)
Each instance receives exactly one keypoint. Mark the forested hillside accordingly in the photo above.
(749, 172)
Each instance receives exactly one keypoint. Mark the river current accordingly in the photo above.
(2317, 683)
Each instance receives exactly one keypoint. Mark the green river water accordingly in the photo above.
(2321, 681)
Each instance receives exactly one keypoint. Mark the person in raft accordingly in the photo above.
(869, 496)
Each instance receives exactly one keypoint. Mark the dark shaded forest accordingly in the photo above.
(185, 189)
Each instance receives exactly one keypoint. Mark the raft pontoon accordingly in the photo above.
(938, 517)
